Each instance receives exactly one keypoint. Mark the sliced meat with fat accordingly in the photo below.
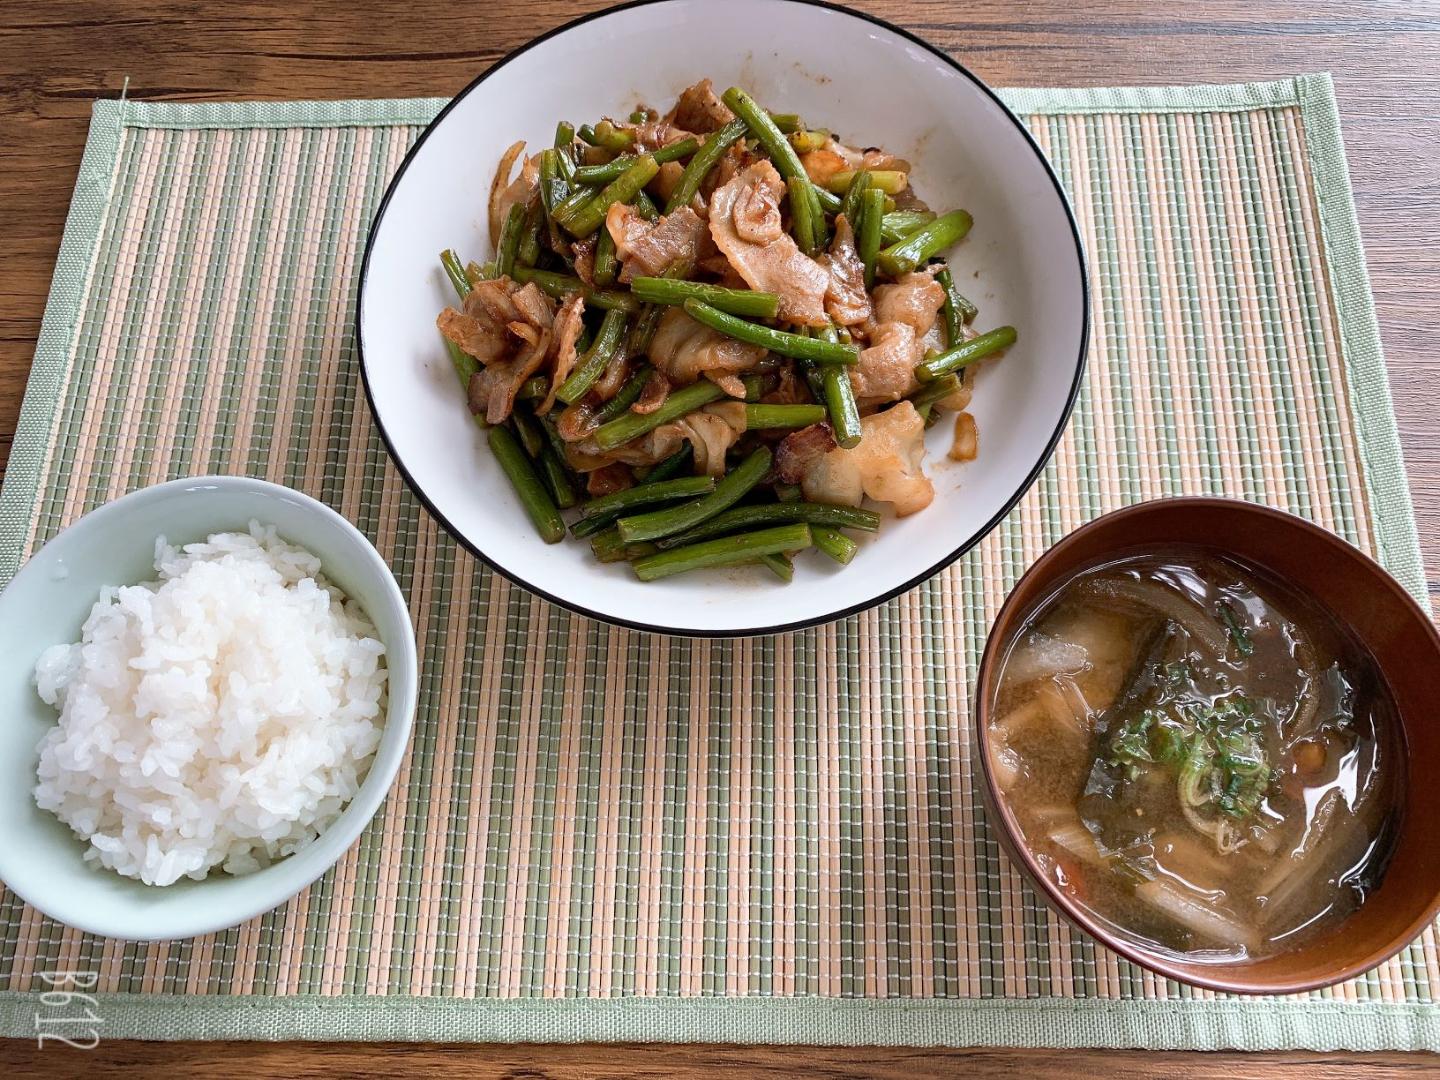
(886, 370)
(667, 180)
(801, 450)
(886, 465)
(607, 480)
(625, 226)
(821, 165)
(745, 224)
(789, 390)
(614, 376)
(699, 109)
(872, 158)
(685, 350)
(731, 384)
(509, 330)
(914, 299)
(653, 134)
(657, 389)
(649, 449)
(582, 254)
(479, 338)
(534, 306)
(576, 422)
(505, 193)
(480, 327)
(845, 297)
(568, 327)
(711, 431)
(648, 250)
(494, 386)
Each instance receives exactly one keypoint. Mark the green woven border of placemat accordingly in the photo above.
(1051, 1021)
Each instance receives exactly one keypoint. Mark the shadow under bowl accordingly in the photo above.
(1383, 618)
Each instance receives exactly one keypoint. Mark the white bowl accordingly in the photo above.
(41, 860)
(869, 82)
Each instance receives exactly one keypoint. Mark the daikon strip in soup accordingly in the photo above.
(1200, 757)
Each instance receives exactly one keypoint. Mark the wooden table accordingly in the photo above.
(56, 56)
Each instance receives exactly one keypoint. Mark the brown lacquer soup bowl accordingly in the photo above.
(1382, 619)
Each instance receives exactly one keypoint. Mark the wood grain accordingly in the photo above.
(56, 56)
(217, 1061)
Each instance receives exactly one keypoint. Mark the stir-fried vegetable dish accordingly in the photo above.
(1203, 760)
(713, 335)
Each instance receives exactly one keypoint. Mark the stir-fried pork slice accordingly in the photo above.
(582, 254)
(821, 165)
(685, 350)
(505, 193)
(576, 422)
(789, 390)
(653, 134)
(712, 431)
(801, 451)
(493, 388)
(908, 200)
(657, 389)
(886, 370)
(533, 306)
(745, 224)
(667, 180)
(876, 159)
(731, 164)
(568, 327)
(872, 158)
(934, 338)
(699, 109)
(718, 268)
(607, 480)
(478, 338)
(731, 384)
(959, 401)
(480, 328)
(492, 302)
(625, 226)
(651, 449)
(914, 299)
(509, 330)
(966, 445)
(649, 250)
(845, 297)
(886, 465)
(614, 375)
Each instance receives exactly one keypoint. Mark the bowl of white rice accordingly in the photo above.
(208, 687)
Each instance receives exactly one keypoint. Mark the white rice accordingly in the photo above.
(223, 715)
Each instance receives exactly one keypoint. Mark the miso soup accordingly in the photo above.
(1199, 756)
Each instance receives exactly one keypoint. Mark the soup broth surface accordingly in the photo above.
(1201, 758)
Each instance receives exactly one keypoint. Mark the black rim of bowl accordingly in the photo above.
(799, 624)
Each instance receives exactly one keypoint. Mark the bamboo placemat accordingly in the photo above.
(774, 840)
